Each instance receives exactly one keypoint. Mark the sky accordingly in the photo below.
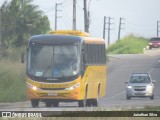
(140, 16)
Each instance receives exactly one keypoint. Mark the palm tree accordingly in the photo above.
(22, 19)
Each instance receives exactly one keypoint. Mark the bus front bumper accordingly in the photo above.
(35, 93)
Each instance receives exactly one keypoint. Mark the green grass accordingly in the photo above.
(150, 108)
(12, 77)
(128, 45)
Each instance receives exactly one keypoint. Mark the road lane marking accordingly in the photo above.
(118, 94)
(150, 70)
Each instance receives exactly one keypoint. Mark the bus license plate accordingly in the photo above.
(52, 94)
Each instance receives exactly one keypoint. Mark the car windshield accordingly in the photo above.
(53, 61)
(140, 78)
(155, 39)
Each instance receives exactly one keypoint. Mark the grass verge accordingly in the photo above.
(128, 45)
(12, 77)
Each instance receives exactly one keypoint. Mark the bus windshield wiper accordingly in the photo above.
(46, 70)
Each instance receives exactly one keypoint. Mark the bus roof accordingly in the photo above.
(66, 36)
(91, 40)
(87, 38)
(58, 39)
(70, 32)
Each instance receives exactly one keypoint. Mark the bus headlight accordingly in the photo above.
(73, 87)
(32, 86)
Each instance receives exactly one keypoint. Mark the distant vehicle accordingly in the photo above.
(140, 85)
(154, 42)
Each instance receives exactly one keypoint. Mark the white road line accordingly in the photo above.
(118, 94)
(150, 70)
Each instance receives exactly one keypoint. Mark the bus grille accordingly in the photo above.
(52, 88)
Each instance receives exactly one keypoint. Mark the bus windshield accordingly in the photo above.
(53, 61)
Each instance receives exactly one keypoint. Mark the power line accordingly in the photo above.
(49, 10)
(67, 26)
(66, 19)
(65, 14)
(80, 8)
(142, 25)
(129, 28)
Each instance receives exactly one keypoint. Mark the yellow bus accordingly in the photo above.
(66, 66)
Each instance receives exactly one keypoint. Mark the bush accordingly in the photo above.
(12, 76)
(128, 45)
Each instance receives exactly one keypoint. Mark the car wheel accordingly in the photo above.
(152, 97)
(128, 97)
(150, 48)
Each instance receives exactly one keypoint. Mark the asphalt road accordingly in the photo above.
(118, 71)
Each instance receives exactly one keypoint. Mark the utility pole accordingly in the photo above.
(74, 15)
(109, 23)
(104, 28)
(86, 20)
(158, 28)
(109, 28)
(120, 27)
(56, 10)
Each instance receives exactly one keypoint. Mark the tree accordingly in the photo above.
(21, 19)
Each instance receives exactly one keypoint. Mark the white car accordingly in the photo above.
(140, 85)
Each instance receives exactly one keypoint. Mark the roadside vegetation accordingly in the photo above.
(128, 45)
(12, 76)
(151, 108)
(19, 19)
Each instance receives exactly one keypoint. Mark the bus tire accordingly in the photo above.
(95, 102)
(55, 103)
(48, 103)
(83, 103)
(35, 103)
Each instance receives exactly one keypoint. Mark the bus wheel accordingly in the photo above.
(89, 103)
(55, 103)
(35, 103)
(83, 103)
(48, 103)
(95, 102)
